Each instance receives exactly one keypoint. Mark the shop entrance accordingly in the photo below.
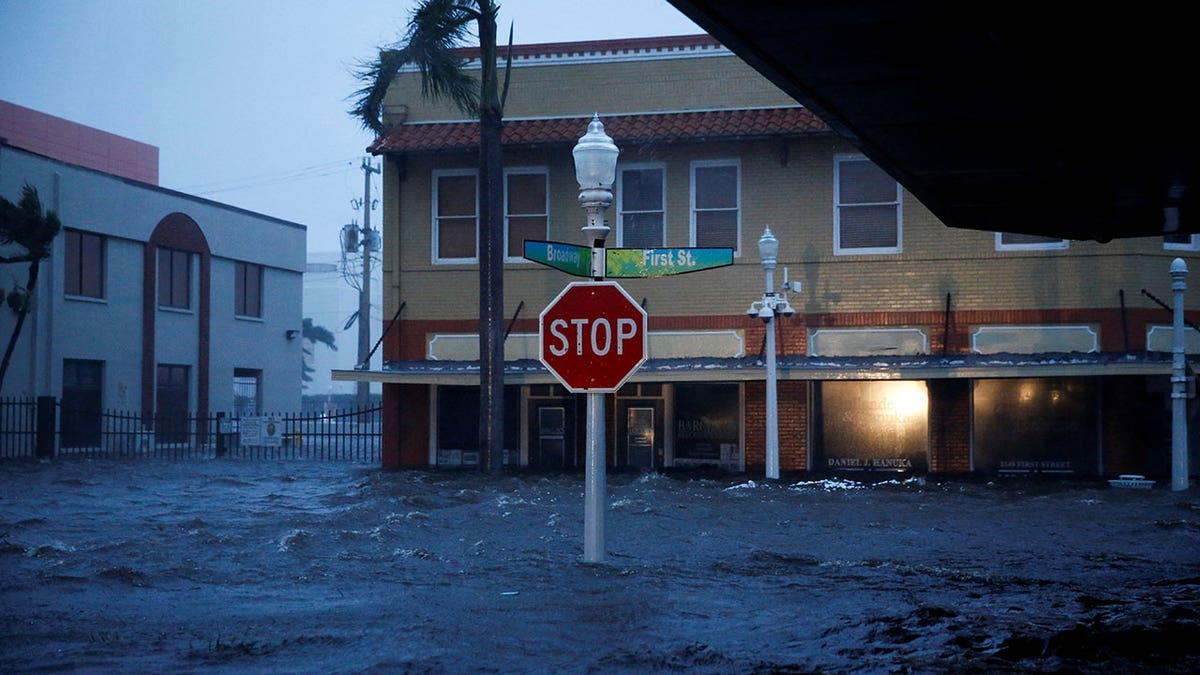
(552, 421)
(639, 432)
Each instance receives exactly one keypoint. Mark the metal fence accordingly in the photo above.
(44, 428)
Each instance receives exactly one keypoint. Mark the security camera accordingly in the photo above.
(753, 311)
(787, 310)
(765, 314)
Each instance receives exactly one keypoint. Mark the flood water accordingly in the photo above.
(262, 566)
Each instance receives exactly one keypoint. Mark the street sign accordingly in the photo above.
(569, 258)
(592, 337)
(658, 262)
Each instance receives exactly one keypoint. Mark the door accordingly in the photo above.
(639, 436)
(551, 437)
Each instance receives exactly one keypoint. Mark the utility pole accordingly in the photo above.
(364, 294)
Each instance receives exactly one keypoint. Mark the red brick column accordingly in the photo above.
(950, 426)
(792, 397)
(793, 425)
(756, 427)
(405, 441)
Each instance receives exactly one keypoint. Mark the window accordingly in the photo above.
(526, 212)
(640, 207)
(707, 424)
(247, 392)
(82, 388)
(455, 216)
(174, 278)
(171, 404)
(866, 211)
(247, 289)
(1181, 242)
(84, 264)
(716, 204)
(1010, 241)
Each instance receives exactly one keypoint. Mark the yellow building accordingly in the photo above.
(913, 346)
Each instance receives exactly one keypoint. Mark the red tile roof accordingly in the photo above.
(624, 129)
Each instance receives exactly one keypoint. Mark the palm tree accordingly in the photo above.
(312, 334)
(25, 225)
(435, 29)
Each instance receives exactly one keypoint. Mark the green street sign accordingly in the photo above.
(569, 258)
(630, 263)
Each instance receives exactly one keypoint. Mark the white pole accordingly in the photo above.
(772, 404)
(595, 154)
(595, 488)
(1179, 443)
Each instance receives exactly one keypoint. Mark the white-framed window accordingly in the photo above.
(455, 216)
(1011, 241)
(526, 209)
(717, 204)
(641, 205)
(1181, 242)
(866, 208)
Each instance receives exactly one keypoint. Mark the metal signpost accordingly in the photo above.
(593, 336)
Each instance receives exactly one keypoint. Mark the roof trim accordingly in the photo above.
(157, 188)
(626, 49)
(691, 126)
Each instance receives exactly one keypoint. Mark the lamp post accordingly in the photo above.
(1179, 444)
(595, 169)
(771, 305)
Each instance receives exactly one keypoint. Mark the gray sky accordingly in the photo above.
(246, 99)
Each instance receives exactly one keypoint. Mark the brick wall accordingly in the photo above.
(405, 425)
(792, 398)
(949, 426)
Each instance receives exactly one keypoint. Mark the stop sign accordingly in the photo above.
(592, 337)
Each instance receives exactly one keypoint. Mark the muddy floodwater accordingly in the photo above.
(297, 567)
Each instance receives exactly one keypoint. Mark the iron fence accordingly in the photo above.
(44, 427)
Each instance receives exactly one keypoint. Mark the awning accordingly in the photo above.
(919, 367)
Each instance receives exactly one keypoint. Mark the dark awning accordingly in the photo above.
(1057, 119)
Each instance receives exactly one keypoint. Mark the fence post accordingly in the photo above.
(220, 434)
(47, 425)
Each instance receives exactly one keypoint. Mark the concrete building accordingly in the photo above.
(914, 346)
(151, 301)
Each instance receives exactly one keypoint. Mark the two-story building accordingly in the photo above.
(152, 301)
(914, 346)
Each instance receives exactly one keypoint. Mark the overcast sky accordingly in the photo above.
(246, 99)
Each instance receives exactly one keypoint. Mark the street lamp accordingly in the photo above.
(772, 304)
(595, 169)
(1179, 446)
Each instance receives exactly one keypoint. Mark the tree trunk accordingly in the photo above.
(491, 253)
(12, 340)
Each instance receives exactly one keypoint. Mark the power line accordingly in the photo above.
(260, 180)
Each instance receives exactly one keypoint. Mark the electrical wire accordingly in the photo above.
(262, 180)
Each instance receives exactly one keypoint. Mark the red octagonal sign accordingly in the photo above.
(592, 337)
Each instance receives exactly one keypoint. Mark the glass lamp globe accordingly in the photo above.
(595, 157)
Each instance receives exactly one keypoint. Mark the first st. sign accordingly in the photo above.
(592, 337)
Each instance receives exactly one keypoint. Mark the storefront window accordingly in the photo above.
(707, 428)
(873, 426)
(1044, 425)
(458, 426)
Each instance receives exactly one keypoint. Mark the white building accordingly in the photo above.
(330, 299)
(152, 300)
